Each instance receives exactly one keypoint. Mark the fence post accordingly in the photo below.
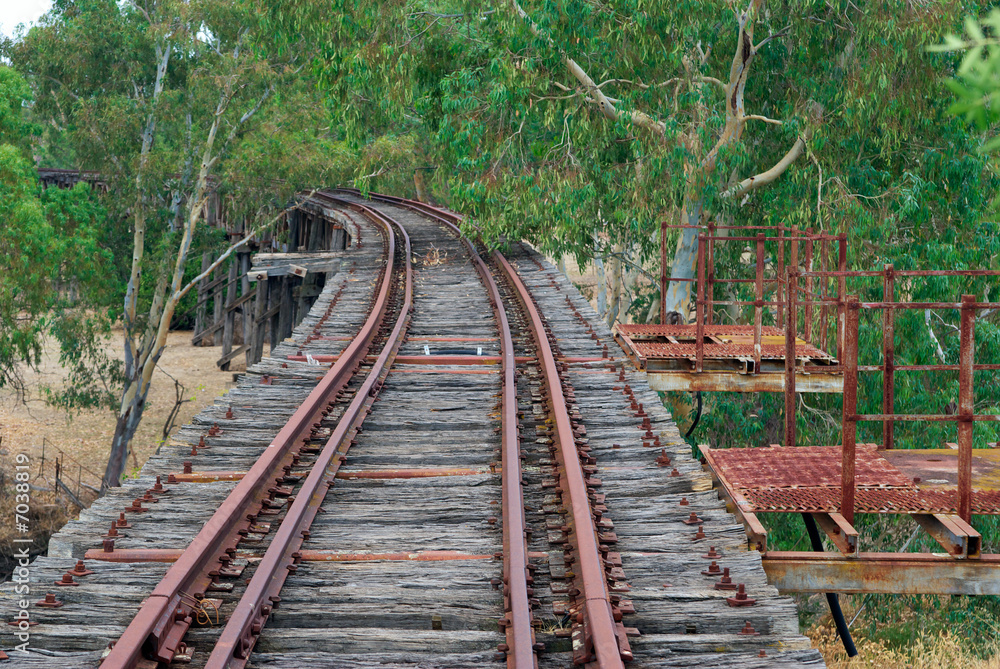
(699, 317)
(850, 425)
(807, 325)
(792, 281)
(758, 305)
(710, 271)
(841, 289)
(888, 358)
(781, 273)
(966, 403)
(663, 272)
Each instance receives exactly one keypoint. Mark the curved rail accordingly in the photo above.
(517, 621)
(604, 640)
(164, 618)
(255, 606)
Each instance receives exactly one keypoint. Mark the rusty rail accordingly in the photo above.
(517, 620)
(604, 640)
(161, 623)
(251, 614)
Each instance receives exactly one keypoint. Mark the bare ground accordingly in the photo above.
(82, 441)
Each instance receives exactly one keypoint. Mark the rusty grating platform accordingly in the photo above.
(646, 343)
(806, 479)
(669, 354)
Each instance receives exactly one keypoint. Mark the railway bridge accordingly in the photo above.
(448, 462)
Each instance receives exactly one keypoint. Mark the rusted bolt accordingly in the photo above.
(109, 545)
(693, 519)
(229, 412)
(122, 522)
(741, 598)
(80, 570)
(187, 467)
(113, 532)
(495, 582)
(713, 569)
(171, 478)
(492, 520)
(201, 442)
(761, 653)
(50, 602)
(67, 580)
(712, 553)
(748, 630)
(674, 472)
(136, 507)
(700, 534)
(725, 582)
(684, 501)
(663, 459)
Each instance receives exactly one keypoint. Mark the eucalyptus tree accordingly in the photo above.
(579, 126)
(168, 100)
(50, 285)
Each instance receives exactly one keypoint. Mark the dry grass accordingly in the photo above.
(82, 441)
(931, 651)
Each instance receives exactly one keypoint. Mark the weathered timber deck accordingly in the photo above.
(400, 609)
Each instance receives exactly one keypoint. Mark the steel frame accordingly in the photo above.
(962, 568)
(709, 366)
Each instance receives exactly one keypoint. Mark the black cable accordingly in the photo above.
(456, 351)
(697, 417)
(831, 597)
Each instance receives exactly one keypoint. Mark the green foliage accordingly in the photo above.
(976, 84)
(51, 252)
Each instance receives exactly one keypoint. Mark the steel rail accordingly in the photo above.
(164, 618)
(232, 650)
(517, 620)
(609, 646)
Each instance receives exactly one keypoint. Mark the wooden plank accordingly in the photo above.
(229, 328)
(224, 361)
(211, 329)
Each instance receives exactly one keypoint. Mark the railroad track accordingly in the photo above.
(475, 479)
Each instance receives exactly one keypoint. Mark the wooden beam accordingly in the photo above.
(211, 329)
(232, 355)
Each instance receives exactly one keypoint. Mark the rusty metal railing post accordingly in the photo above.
(849, 428)
(841, 290)
(966, 402)
(792, 281)
(699, 317)
(780, 298)
(710, 271)
(758, 305)
(824, 294)
(807, 326)
(888, 357)
(663, 272)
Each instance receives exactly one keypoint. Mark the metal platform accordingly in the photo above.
(668, 354)
(807, 480)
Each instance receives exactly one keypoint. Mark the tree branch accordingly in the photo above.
(768, 176)
(232, 249)
(602, 102)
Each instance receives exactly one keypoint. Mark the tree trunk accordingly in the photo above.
(685, 264)
(418, 183)
(129, 417)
